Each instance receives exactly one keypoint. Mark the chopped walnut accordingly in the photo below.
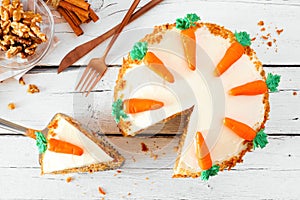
(11, 106)
(32, 89)
(19, 30)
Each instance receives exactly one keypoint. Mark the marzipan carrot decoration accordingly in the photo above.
(251, 88)
(202, 152)
(187, 27)
(189, 43)
(134, 105)
(156, 65)
(60, 146)
(55, 145)
(234, 52)
(241, 129)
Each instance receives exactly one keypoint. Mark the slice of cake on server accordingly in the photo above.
(69, 148)
(205, 71)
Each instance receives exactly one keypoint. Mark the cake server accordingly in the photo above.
(83, 49)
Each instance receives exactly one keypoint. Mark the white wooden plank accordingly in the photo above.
(277, 164)
(57, 95)
(280, 153)
(241, 15)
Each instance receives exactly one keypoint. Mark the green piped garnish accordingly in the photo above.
(243, 38)
(260, 139)
(41, 141)
(139, 50)
(187, 22)
(117, 110)
(210, 172)
(273, 82)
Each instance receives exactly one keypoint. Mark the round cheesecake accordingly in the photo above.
(174, 70)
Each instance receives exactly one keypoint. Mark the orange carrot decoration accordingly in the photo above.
(186, 25)
(189, 43)
(241, 129)
(233, 53)
(155, 64)
(251, 88)
(202, 152)
(134, 105)
(60, 146)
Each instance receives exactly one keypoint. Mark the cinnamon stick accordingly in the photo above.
(79, 3)
(74, 8)
(73, 17)
(77, 30)
(82, 18)
(93, 15)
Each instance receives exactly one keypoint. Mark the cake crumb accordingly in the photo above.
(269, 43)
(101, 191)
(69, 179)
(11, 106)
(279, 31)
(21, 81)
(175, 149)
(119, 171)
(33, 89)
(294, 93)
(129, 193)
(261, 23)
(154, 156)
(262, 29)
(144, 147)
(264, 37)
(253, 39)
(147, 178)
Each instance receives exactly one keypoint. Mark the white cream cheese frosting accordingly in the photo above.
(65, 131)
(200, 89)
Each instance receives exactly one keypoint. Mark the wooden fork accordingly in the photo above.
(97, 66)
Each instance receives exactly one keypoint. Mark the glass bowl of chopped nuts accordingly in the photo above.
(27, 29)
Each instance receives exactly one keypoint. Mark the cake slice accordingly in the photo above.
(219, 117)
(71, 148)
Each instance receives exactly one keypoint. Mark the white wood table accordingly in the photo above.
(271, 173)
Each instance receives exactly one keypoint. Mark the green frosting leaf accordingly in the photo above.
(41, 141)
(260, 139)
(193, 17)
(243, 38)
(139, 50)
(117, 110)
(210, 172)
(187, 22)
(273, 82)
(183, 23)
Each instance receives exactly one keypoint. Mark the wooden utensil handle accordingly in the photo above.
(85, 48)
(121, 26)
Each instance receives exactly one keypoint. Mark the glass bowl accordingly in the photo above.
(47, 27)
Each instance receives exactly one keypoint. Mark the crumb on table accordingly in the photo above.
(144, 147)
(21, 81)
(69, 179)
(33, 89)
(101, 191)
(11, 106)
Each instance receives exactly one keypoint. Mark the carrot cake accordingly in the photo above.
(206, 72)
(68, 148)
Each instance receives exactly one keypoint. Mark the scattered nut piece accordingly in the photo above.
(11, 106)
(294, 93)
(144, 147)
(101, 191)
(260, 23)
(32, 89)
